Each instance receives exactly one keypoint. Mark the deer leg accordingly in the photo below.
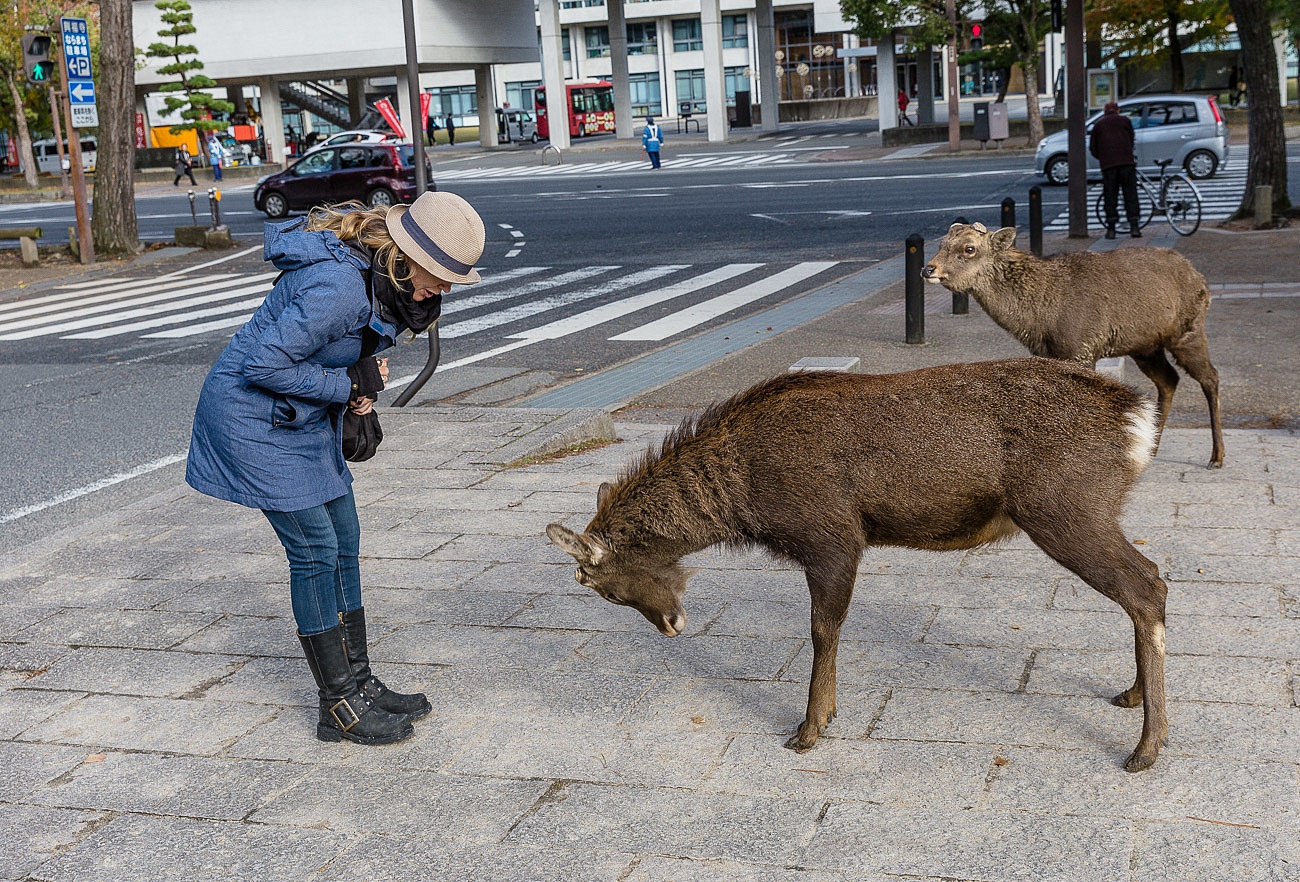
(1162, 373)
(1101, 556)
(1192, 351)
(830, 584)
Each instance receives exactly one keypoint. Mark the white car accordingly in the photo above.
(358, 136)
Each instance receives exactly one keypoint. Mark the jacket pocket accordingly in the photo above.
(283, 414)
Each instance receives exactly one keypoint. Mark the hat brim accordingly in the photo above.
(412, 250)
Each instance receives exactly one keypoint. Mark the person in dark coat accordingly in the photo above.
(1112, 143)
(184, 167)
(451, 131)
(268, 427)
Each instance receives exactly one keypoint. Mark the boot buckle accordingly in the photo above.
(349, 712)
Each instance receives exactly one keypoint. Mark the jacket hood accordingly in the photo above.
(289, 247)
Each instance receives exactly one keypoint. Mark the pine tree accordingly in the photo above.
(187, 96)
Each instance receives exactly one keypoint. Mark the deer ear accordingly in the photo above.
(603, 493)
(584, 548)
(1003, 238)
(979, 227)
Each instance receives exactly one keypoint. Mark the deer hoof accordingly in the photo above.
(1139, 762)
(1128, 698)
(1215, 464)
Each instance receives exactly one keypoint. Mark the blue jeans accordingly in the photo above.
(322, 544)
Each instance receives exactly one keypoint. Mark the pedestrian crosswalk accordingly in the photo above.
(1220, 198)
(587, 169)
(515, 307)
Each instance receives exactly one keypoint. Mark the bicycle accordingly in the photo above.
(1172, 195)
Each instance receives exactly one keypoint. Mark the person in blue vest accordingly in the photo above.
(652, 138)
(214, 156)
(268, 427)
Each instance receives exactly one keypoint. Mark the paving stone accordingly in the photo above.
(866, 621)
(456, 809)
(134, 672)
(443, 606)
(1235, 731)
(23, 767)
(1207, 852)
(128, 723)
(1185, 542)
(983, 845)
(33, 835)
(746, 658)
(497, 549)
(1252, 516)
(27, 658)
(25, 709)
(1212, 599)
(402, 544)
(133, 629)
(139, 848)
(283, 682)
(478, 647)
(538, 696)
(534, 578)
(884, 560)
(1231, 679)
(919, 665)
(425, 573)
(446, 498)
(1176, 787)
(1216, 492)
(1233, 568)
(578, 749)
(83, 591)
(590, 612)
(1031, 628)
(249, 635)
(381, 858)
(872, 770)
(970, 592)
(670, 822)
(236, 597)
(654, 868)
(21, 616)
(1271, 637)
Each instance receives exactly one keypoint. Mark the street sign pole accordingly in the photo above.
(58, 142)
(81, 113)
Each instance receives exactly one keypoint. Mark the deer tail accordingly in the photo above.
(1144, 431)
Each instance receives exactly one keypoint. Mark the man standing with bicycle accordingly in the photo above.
(1112, 143)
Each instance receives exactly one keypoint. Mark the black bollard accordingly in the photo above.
(1008, 212)
(193, 216)
(915, 288)
(1036, 220)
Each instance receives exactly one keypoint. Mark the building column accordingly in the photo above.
(272, 121)
(557, 116)
(886, 82)
(715, 87)
(356, 99)
(925, 87)
(623, 123)
(403, 105)
(769, 95)
(485, 86)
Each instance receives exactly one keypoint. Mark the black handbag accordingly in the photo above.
(361, 435)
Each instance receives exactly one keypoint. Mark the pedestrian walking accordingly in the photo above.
(652, 138)
(903, 101)
(214, 156)
(451, 131)
(268, 427)
(291, 138)
(1111, 142)
(184, 167)
(432, 131)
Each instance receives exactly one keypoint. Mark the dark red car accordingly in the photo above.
(377, 174)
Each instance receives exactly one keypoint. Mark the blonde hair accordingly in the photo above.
(354, 221)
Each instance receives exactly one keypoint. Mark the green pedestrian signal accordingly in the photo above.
(36, 59)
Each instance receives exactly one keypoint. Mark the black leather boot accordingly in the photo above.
(1110, 231)
(354, 634)
(346, 710)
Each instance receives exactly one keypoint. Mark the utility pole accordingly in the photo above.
(413, 92)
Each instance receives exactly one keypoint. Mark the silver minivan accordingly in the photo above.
(1188, 129)
(514, 124)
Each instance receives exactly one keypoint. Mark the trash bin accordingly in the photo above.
(982, 121)
(999, 128)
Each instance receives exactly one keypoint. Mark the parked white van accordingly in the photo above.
(47, 154)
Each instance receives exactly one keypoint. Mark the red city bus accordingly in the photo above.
(590, 109)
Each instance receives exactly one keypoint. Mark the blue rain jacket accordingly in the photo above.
(268, 428)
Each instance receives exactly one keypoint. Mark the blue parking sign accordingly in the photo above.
(80, 76)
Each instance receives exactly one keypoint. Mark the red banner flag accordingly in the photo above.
(140, 140)
(385, 108)
(425, 98)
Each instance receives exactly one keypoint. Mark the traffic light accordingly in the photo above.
(976, 36)
(36, 59)
(1058, 16)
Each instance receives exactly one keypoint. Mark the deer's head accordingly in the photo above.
(964, 253)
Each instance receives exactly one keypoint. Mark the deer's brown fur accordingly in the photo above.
(816, 467)
(1086, 305)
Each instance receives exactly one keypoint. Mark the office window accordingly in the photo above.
(646, 94)
(564, 44)
(642, 39)
(735, 79)
(597, 39)
(521, 94)
(687, 35)
(453, 100)
(690, 87)
(735, 31)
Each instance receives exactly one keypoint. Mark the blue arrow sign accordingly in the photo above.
(76, 48)
(81, 92)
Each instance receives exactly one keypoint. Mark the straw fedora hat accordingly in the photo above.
(440, 232)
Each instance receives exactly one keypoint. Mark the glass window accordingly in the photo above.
(642, 39)
(315, 163)
(735, 31)
(645, 91)
(597, 39)
(735, 80)
(564, 44)
(687, 35)
(521, 94)
(690, 87)
(453, 101)
(353, 157)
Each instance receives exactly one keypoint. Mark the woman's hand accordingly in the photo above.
(361, 405)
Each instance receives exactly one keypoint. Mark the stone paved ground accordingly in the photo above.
(156, 718)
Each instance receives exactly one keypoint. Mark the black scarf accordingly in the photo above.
(394, 302)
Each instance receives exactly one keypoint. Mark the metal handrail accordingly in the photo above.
(435, 353)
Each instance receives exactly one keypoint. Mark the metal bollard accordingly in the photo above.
(193, 214)
(1036, 220)
(915, 288)
(1008, 212)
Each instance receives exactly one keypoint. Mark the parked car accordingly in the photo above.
(358, 136)
(377, 174)
(516, 125)
(1189, 129)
